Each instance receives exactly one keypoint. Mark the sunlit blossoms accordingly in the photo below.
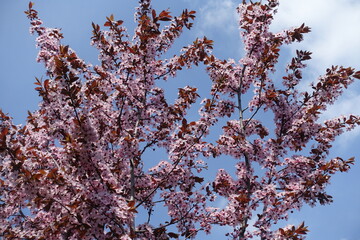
(80, 169)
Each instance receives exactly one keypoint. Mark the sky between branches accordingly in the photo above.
(335, 39)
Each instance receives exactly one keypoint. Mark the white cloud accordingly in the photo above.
(335, 35)
(221, 203)
(335, 31)
(347, 105)
(217, 14)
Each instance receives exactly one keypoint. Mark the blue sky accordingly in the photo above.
(335, 39)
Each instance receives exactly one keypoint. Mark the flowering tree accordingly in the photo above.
(76, 170)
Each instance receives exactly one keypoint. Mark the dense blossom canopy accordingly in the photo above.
(76, 169)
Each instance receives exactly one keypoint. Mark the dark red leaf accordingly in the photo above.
(357, 75)
(173, 235)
